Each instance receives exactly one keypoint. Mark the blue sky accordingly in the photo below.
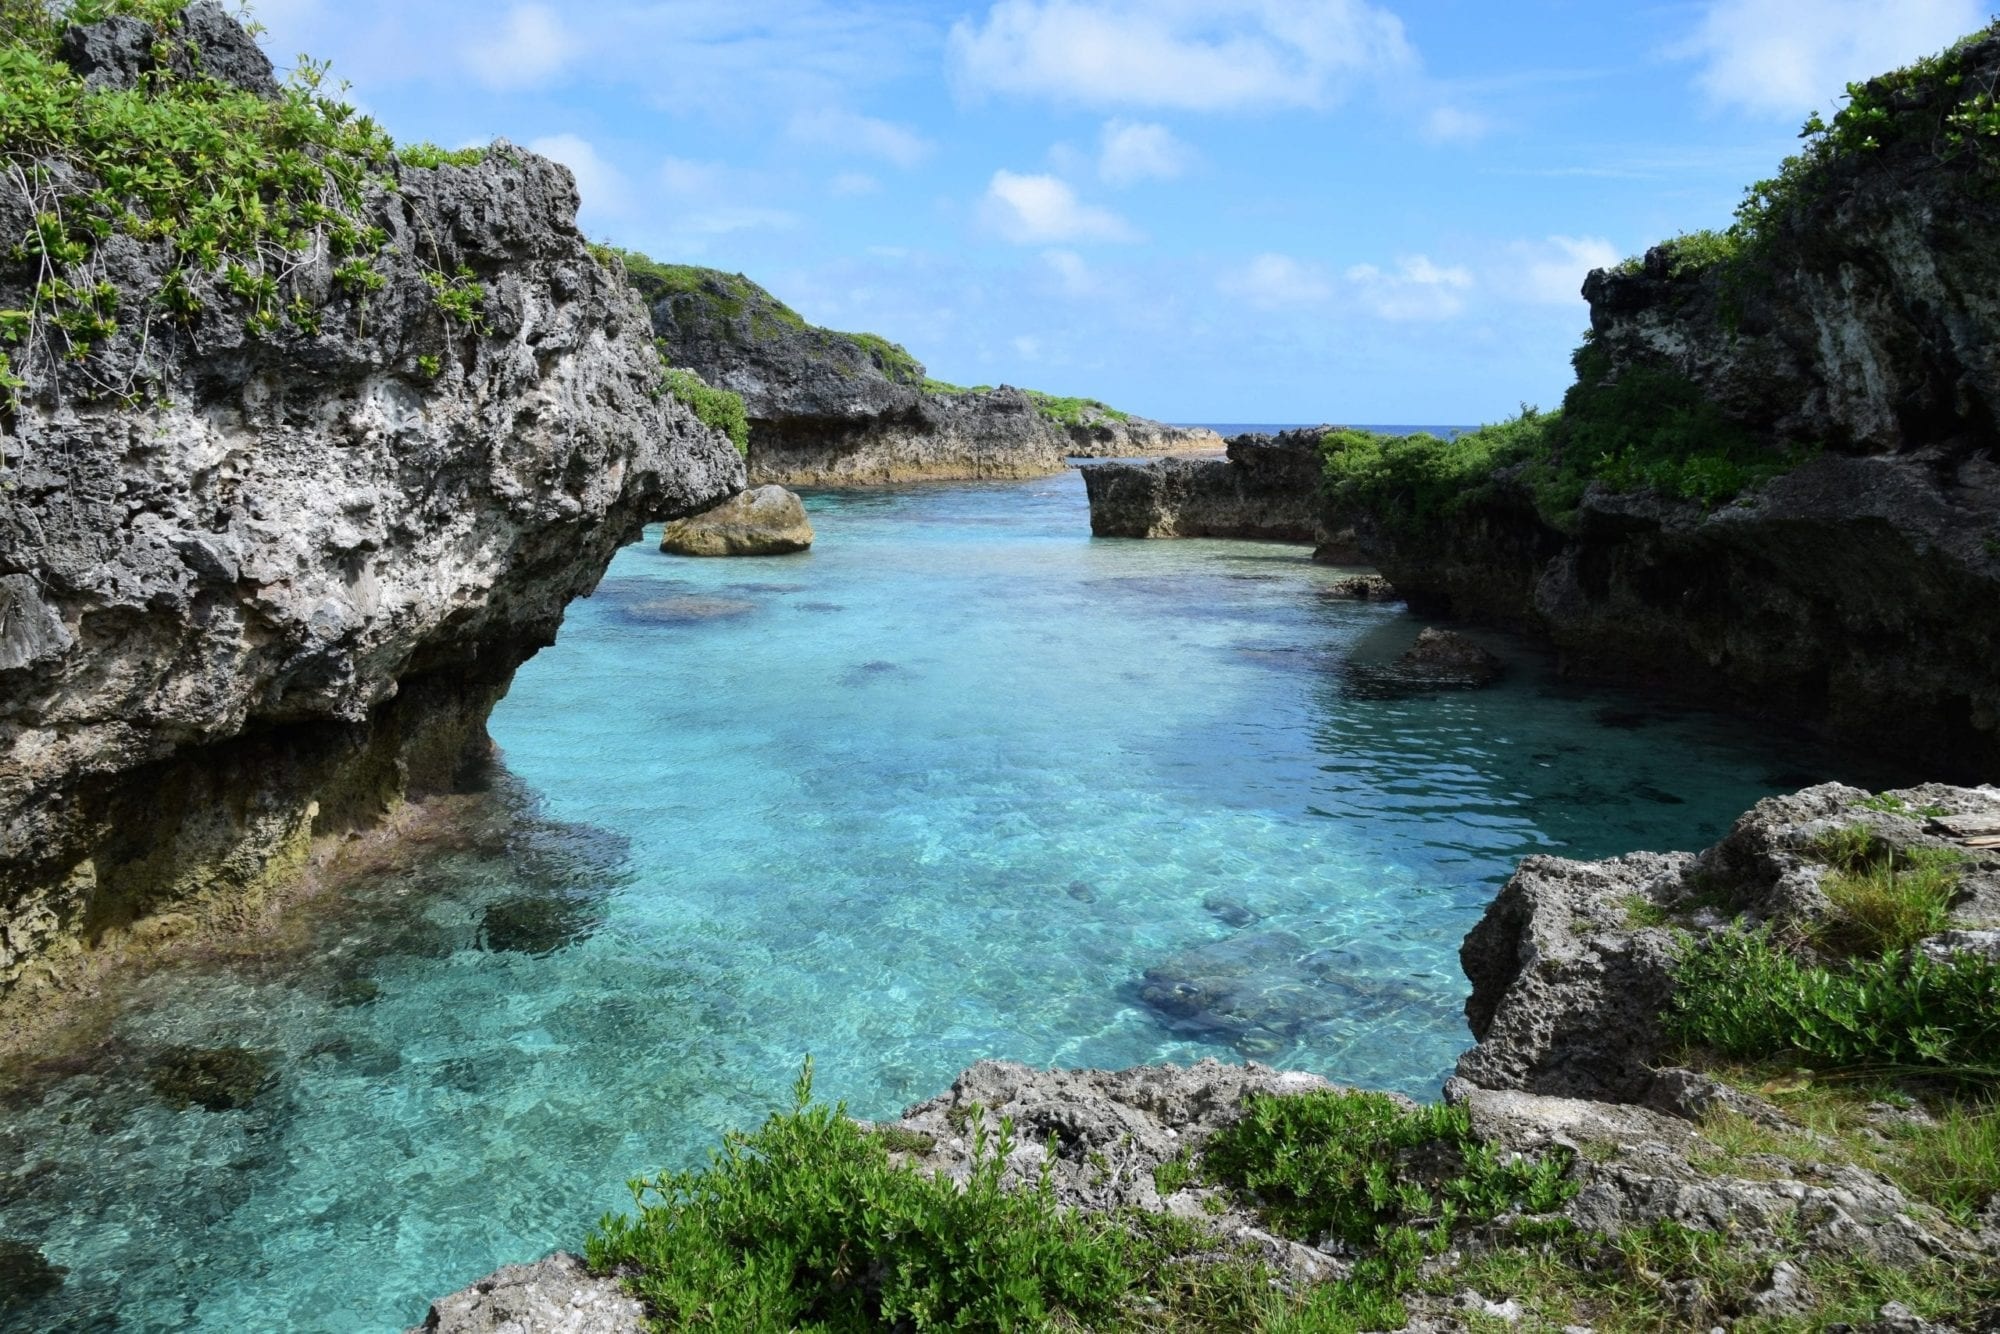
(1202, 210)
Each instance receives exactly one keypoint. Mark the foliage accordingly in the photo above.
(1072, 411)
(1412, 481)
(805, 1223)
(1890, 804)
(1951, 1159)
(1743, 995)
(889, 358)
(727, 296)
(430, 155)
(720, 409)
(1882, 900)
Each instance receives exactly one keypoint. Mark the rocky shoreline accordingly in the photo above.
(1266, 488)
(1571, 970)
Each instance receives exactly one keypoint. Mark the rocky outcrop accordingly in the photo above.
(556, 1295)
(1568, 983)
(769, 521)
(1860, 591)
(281, 592)
(1266, 489)
(836, 409)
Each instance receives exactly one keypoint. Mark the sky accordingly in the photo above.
(1288, 211)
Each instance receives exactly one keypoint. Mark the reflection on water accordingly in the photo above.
(960, 782)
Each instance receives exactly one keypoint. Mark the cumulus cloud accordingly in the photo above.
(1454, 125)
(849, 132)
(1137, 151)
(1786, 57)
(1271, 281)
(1200, 55)
(1552, 270)
(530, 48)
(1417, 288)
(602, 185)
(1041, 210)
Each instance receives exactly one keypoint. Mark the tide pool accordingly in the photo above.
(961, 782)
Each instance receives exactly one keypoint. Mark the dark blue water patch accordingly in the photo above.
(998, 789)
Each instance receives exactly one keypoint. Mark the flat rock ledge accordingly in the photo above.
(1565, 998)
(769, 521)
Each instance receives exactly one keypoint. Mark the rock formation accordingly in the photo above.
(769, 521)
(282, 590)
(1859, 591)
(1267, 489)
(835, 409)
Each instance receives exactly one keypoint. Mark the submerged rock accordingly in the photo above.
(1450, 658)
(217, 1079)
(769, 521)
(26, 1274)
(539, 924)
(1257, 990)
(557, 1295)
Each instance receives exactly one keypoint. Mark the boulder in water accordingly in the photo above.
(218, 1079)
(25, 1274)
(1446, 656)
(769, 521)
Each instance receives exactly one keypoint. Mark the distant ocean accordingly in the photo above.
(1227, 429)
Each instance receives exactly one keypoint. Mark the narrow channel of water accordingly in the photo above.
(961, 782)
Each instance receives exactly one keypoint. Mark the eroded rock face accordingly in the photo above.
(1450, 658)
(1567, 987)
(835, 409)
(769, 521)
(556, 1295)
(285, 590)
(1861, 591)
(1267, 488)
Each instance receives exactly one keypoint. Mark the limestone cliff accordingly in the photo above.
(275, 583)
(1852, 320)
(832, 409)
(1267, 488)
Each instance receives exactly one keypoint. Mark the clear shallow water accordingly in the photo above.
(946, 787)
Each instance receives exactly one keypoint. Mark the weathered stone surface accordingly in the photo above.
(835, 409)
(216, 1079)
(282, 593)
(1567, 991)
(556, 1295)
(1861, 591)
(1266, 489)
(1360, 588)
(118, 52)
(769, 521)
(1447, 656)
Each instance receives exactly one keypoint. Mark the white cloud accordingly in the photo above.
(530, 48)
(1036, 210)
(1201, 55)
(850, 132)
(1416, 289)
(1786, 57)
(1072, 274)
(602, 186)
(1029, 349)
(1552, 270)
(1137, 151)
(1453, 125)
(848, 184)
(1271, 281)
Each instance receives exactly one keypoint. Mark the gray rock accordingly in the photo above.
(556, 1295)
(118, 52)
(1449, 657)
(284, 593)
(1267, 489)
(1359, 588)
(769, 521)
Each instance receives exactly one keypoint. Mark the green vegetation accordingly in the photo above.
(1890, 804)
(889, 358)
(721, 409)
(1742, 994)
(1883, 901)
(430, 155)
(237, 186)
(1074, 411)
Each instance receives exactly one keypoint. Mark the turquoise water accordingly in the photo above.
(960, 782)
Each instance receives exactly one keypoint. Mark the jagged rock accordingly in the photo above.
(1447, 656)
(1859, 592)
(769, 521)
(1266, 489)
(1359, 588)
(282, 593)
(836, 409)
(1567, 991)
(556, 1295)
(118, 52)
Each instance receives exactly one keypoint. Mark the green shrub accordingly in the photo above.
(430, 155)
(1411, 481)
(721, 409)
(1742, 995)
(805, 1223)
(889, 358)
(1074, 411)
